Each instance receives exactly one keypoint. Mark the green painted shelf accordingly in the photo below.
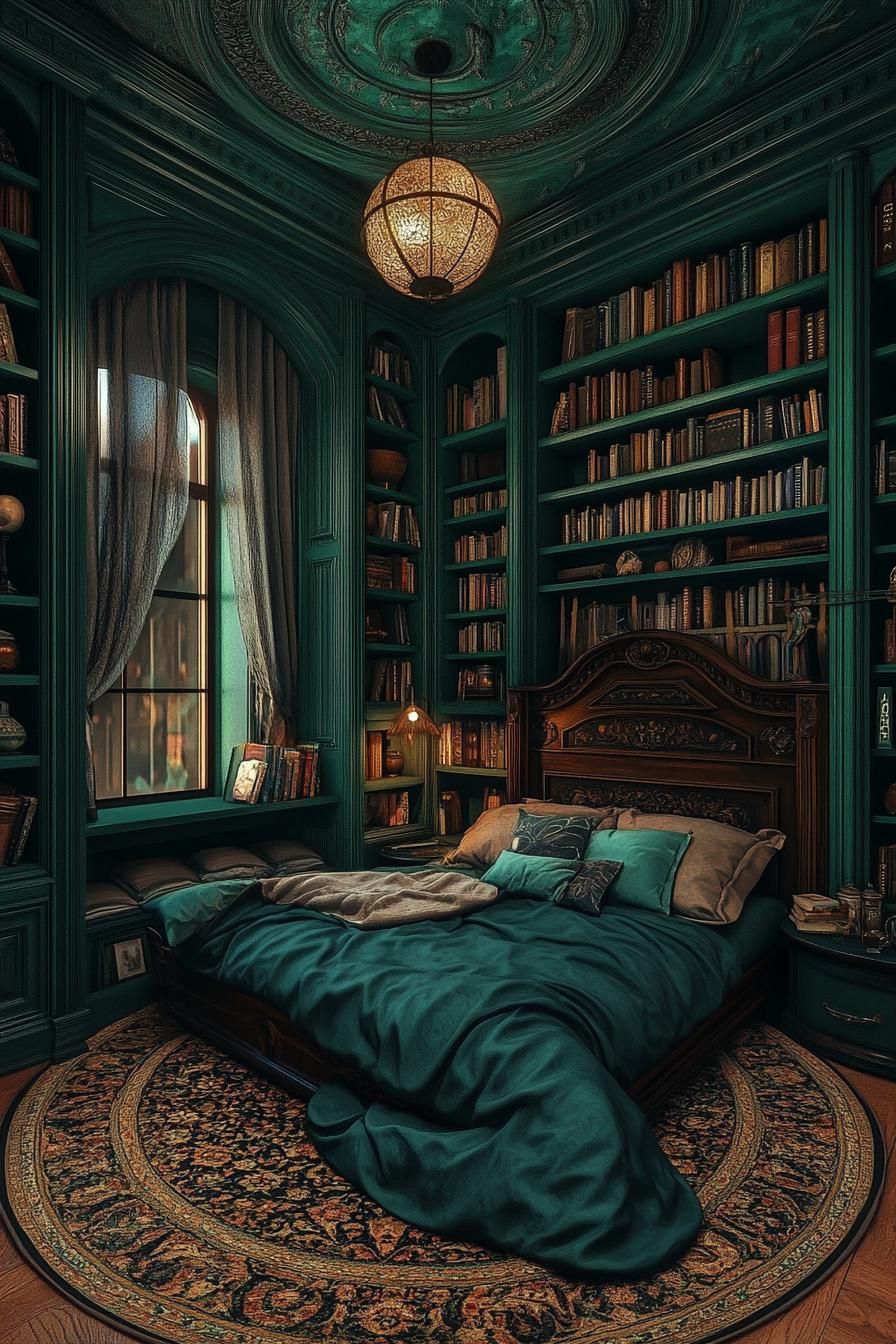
(17, 873)
(884, 754)
(470, 709)
(393, 782)
(696, 529)
(18, 600)
(395, 547)
(744, 322)
(20, 240)
(19, 461)
(884, 351)
(18, 299)
(884, 669)
(886, 273)
(884, 422)
(491, 657)
(710, 574)
(888, 498)
(140, 817)
(17, 372)
(889, 548)
(472, 487)
(485, 772)
(388, 595)
(489, 433)
(388, 495)
(676, 410)
(18, 679)
(471, 519)
(488, 612)
(19, 762)
(491, 562)
(387, 431)
(10, 173)
(373, 648)
(398, 390)
(882, 820)
(764, 455)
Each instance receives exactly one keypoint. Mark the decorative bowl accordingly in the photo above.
(386, 467)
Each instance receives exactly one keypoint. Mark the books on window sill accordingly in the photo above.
(620, 392)
(393, 522)
(391, 573)
(260, 772)
(803, 485)
(7, 339)
(388, 361)
(478, 592)
(480, 546)
(818, 914)
(885, 224)
(13, 423)
(477, 743)
(884, 468)
(482, 502)
(479, 466)
(389, 680)
(481, 637)
(796, 338)
(384, 406)
(687, 289)
(387, 809)
(16, 817)
(485, 402)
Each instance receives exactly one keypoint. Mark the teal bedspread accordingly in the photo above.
(501, 1037)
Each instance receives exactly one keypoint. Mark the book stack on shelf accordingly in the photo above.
(621, 392)
(387, 361)
(387, 810)
(818, 914)
(260, 772)
(16, 816)
(16, 208)
(384, 406)
(481, 637)
(483, 403)
(386, 626)
(481, 546)
(393, 522)
(482, 591)
(391, 573)
(484, 501)
(478, 743)
(390, 679)
(796, 338)
(884, 468)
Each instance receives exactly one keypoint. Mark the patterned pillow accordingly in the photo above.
(586, 890)
(554, 836)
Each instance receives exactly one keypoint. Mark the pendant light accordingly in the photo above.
(413, 721)
(430, 226)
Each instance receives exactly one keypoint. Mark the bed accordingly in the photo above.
(664, 723)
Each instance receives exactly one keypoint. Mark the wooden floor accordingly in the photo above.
(856, 1305)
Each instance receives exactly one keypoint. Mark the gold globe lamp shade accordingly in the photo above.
(430, 227)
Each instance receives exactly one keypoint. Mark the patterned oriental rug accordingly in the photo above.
(171, 1192)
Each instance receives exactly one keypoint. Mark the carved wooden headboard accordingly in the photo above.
(668, 723)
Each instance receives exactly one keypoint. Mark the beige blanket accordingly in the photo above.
(377, 900)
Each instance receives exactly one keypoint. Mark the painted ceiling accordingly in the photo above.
(540, 94)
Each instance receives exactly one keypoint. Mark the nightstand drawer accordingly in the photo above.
(857, 1008)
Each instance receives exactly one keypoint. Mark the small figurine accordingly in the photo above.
(629, 563)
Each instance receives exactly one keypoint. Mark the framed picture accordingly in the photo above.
(129, 959)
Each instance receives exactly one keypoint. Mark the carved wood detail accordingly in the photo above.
(655, 734)
(657, 798)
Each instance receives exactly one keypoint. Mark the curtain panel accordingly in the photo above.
(137, 469)
(258, 425)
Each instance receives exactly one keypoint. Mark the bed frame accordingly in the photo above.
(666, 723)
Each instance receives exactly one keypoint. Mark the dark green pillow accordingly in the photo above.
(552, 835)
(186, 910)
(531, 874)
(650, 861)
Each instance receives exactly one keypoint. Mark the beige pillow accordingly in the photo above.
(492, 831)
(720, 866)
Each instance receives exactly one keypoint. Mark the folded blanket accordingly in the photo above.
(379, 900)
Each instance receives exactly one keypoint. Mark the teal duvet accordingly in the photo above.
(501, 1037)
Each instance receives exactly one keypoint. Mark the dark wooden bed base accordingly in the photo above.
(665, 723)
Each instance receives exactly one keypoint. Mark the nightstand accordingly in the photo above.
(841, 1000)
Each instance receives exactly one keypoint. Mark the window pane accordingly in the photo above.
(164, 743)
(182, 572)
(107, 718)
(194, 435)
(168, 650)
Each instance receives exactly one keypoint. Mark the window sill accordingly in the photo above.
(115, 823)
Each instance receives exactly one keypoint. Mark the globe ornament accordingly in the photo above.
(430, 227)
(12, 514)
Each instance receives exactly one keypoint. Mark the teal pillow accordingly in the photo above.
(186, 910)
(531, 874)
(650, 861)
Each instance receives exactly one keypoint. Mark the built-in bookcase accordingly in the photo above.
(395, 582)
(22, 612)
(472, 582)
(882, 466)
(683, 419)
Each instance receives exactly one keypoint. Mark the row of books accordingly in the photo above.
(480, 545)
(480, 592)
(387, 627)
(885, 224)
(16, 211)
(387, 809)
(889, 640)
(394, 522)
(388, 361)
(486, 401)
(886, 872)
(9, 276)
(260, 772)
(481, 466)
(7, 338)
(463, 505)
(389, 680)
(620, 392)
(802, 485)
(16, 816)
(478, 743)
(476, 683)
(795, 338)
(884, 468)
(391, 573)
(13, 423)
(385, 406)
(481, 637)
(687, 289)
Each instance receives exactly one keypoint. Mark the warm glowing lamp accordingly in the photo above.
(413, 721)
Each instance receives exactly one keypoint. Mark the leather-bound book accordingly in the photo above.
(793, 325)
(776, 341)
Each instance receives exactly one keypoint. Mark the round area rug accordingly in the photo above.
(174, 1193)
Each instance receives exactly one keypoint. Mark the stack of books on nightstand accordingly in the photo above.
(818, 914)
